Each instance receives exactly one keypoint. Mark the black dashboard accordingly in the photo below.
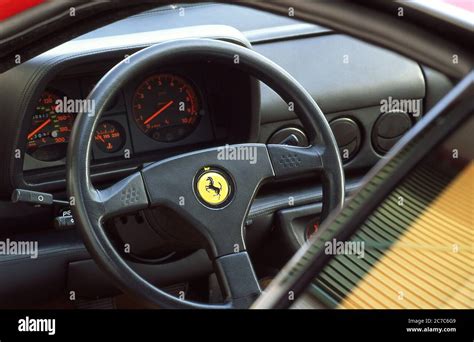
(347, 77)
(169, 110)
(221, 105)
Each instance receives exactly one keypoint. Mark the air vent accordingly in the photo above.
(348, 137)
(289, 136)
(388, 129)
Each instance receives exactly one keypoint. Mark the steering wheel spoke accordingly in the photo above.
(294, 160)
(237, 279)
(127, 195)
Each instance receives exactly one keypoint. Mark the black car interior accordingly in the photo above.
(224, 105)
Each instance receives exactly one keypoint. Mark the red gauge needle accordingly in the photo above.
(100, 138)
(38, 128)
(158, 112)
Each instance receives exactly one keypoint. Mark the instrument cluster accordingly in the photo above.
(161, 110)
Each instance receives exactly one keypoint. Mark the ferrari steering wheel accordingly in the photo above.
(217, 187)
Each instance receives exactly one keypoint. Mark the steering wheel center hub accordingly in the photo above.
(213, 187)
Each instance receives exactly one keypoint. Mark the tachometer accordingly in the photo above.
(166, 107)
(49, 131)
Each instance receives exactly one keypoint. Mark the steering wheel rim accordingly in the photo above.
(142, 189)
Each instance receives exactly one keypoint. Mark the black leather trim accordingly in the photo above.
(51, 273)
(270, 203)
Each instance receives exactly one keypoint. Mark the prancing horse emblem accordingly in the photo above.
(211, 187)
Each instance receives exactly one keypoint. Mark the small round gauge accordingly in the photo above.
(109, 136)
(49, 131)
(166, 107)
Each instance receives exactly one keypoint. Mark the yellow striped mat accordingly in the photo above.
(419, 250)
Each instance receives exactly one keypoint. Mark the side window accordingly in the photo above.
(417, 249)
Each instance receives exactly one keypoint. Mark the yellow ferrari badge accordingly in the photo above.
(213, 187)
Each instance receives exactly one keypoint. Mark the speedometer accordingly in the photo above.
(49, 131)
(166, 107)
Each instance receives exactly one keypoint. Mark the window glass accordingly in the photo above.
(417, 249)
